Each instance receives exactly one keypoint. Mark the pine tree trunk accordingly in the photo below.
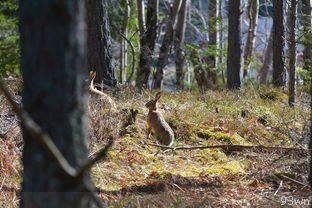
(292, 53)
(279, 70)
(178, 44)
(99, 43)
(253, 19)
(211, 59)
(268, 59)
(123, 44)
(53, 63)
(166, 44)
(235, 58)
(220, 42)
(147, 42)
(140, 6)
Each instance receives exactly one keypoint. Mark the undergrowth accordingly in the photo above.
(136, 174)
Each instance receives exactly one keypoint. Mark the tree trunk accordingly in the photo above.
(268, 59)
(279, 70)
(140, 6)
(253, 19)
(308, 59)
(220, 42)
(178, 44)
(99, 43)
(53, 63)
(292, 52)
(147, 42)
(235, 59)
(166, 44)
(123, 43)
(307, 28)
(211, 59)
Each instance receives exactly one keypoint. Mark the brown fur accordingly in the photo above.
(107, 100)
(157, 123)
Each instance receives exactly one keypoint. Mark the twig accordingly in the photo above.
(133, 55)
(280, 185)
(133, 34)
(102, 154)
(132, 50)
(231, 147)
(38, 135)
(293, 180)
(94, 196)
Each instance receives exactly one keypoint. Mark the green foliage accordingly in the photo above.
(116, 13)
(9, 38)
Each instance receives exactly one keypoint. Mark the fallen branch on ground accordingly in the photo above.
(232, 148)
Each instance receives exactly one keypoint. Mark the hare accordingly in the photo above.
(156, 123)
(108, 100)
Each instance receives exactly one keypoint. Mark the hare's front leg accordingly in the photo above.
(149, 132)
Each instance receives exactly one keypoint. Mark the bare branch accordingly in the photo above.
(230, 148)
(133, 56)
(100, 155)
(133, 53)
(38, 135)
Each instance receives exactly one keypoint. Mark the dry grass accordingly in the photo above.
(138, 175)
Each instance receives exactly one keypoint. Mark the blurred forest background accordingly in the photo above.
(236, 81)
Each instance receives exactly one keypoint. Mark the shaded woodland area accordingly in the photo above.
(155, 103)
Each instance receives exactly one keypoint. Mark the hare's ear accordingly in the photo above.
(92, 74)
(157, 96)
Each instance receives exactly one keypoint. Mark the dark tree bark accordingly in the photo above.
(99, 43)
(166, 44)
(268, 59)
(147, 42)
(235, 59)
(310, 148)
(253, 19)
(279, 69)
(53, 63)
(307, 28)
(292, 52)
(178, 44)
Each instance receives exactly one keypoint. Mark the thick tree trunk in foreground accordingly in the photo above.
(147, 42)
(99, 43)
(166, 44)
(54, 69)
(235, 59)
(253, 19)
(279, 69)
(178, 44)
(268, 60)
(292, 53)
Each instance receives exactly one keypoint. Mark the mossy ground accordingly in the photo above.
(136, 174)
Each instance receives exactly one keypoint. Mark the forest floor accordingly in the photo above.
(138, 174)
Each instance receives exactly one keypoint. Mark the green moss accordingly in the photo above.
(272, 94)
(229, 167)
(224, 138)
